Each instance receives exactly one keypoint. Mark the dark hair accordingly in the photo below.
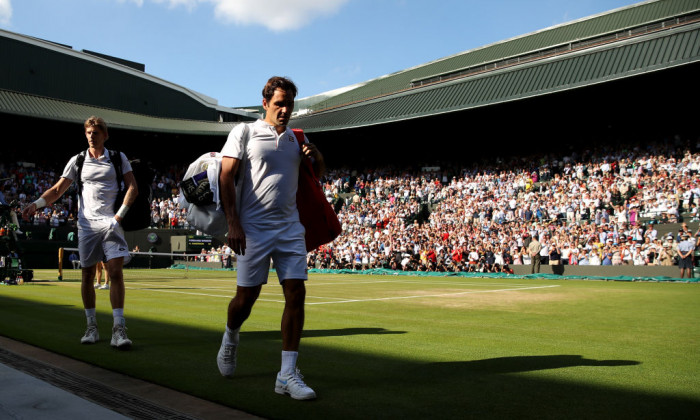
(277, 82)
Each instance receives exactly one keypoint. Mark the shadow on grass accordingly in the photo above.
(531, 387)
(351, 382)
(529, 363)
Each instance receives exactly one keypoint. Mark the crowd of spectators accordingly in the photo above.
(585, 207)
(23, 183)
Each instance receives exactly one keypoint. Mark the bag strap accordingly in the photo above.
(244, 140)
(116, 157)
(299, 133)
(79, 161)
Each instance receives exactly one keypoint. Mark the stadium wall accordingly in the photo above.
(42, 252)
(637, 271)
(41, 249)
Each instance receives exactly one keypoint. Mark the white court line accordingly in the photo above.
(159, 288)
(165, 286)
(206, 294)
(137, 280)
(437, 295)
(450, 283)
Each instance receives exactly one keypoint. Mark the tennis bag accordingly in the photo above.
(200, 195)
(199, 191)
(315, 212)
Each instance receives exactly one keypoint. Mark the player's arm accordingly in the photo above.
(48, 197)
(132, 190)
(227, 188)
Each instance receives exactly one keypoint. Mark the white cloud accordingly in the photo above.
(139, 3)
(5, 12)
(276, 15)
(187, 4)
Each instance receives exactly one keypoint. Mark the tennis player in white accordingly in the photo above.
(267, 226)
(100, 236)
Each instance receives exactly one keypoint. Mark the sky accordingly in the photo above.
(227, 49)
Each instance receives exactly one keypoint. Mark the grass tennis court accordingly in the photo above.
(397, 346)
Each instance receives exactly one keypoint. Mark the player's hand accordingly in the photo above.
(28, 211)
(310, 150)
(236, 238)
(113, 222)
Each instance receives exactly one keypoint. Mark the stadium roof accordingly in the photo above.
(645, 37)
(50, 81)
(23, 104)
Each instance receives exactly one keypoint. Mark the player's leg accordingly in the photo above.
(293, 315)
(87, 292)
(117, 295)
(290, 262)
(239, 309)
(115, 273)
(86, 289)
(289, 379)
(241, 305)
(99, 268)
(90, 251)
(252, 272)
(105, 285)
(116, 252)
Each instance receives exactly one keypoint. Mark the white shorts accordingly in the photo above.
(283, 243)
(98, 242)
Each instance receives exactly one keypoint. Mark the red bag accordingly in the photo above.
(315, 212)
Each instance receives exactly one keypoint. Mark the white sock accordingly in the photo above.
(91, 318)
(118, 315)
(231, 336)
(289, 362)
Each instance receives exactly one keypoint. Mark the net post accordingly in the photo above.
(60, 264)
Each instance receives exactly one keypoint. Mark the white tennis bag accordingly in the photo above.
(199, 194)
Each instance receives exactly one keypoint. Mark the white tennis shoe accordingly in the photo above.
(119, 338)
(91, 336)
(294, 386)
(226, 359)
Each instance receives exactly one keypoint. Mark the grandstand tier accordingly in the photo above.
(623, 205)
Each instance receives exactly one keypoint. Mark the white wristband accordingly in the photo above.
(122, 211)
(41, 202)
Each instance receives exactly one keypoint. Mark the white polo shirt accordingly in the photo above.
(99, 185)
(271, 165)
